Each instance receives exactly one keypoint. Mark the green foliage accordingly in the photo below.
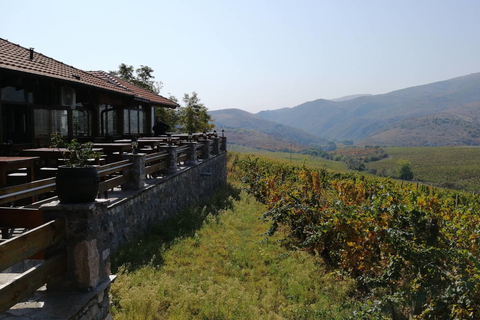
(355, 164)
(79, 153)
(192, 117)
(214, 265)
(169, 116)
(291, 158)
(451, 167)
(316, 152)
(413, 250)
(404, 170)
(143, 78)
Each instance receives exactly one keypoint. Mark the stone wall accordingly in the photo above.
(99, 228)
(168, 196)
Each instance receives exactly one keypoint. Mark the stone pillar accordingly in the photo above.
(216, 145)
(192, 153)
(172, 158)
(88, 244)
(206, 149)
(223, 147)
(137, 174)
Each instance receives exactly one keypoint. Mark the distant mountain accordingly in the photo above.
(353, 96)
(248, 129)
(441, 113)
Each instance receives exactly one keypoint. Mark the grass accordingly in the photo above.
(213, 262)
(451, 167)
(294, 158)
(454, 167)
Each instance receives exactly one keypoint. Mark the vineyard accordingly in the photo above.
(412, 249)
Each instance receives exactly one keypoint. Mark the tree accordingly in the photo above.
(169, 116)
(143, 77)
(192, 117)
(355, 164)
(125, 72)
(404, 170)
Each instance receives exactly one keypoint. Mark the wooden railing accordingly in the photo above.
(111, 175)
(182, 154)
(27, 190)
(41, 236)
(29, 245)
(155, 162)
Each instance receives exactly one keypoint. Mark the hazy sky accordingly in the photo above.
(257, 55)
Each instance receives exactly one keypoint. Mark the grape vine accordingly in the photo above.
(413, 249)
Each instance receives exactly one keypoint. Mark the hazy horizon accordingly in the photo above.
(258, 55)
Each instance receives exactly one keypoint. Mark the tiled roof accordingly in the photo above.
(138, 91)
(17, 58)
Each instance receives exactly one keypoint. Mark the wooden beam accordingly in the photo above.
(114, 167)
(26, 190)
(155, 167)
(25, 285)
(22, 247)
(20, 218)
(112, 183)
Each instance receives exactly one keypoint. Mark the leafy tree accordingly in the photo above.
(143, 77)
(192, 117)
(125, 72)
(404, 170)
(169, 116)
(355, 164)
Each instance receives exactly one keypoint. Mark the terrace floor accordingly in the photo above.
(58, 305)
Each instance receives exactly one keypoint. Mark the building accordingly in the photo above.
(40, 96)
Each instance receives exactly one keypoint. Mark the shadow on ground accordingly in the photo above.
(148, 249)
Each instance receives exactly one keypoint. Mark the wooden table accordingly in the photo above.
(112, 147)
(8, 164)
(51, 155)
(144, 143)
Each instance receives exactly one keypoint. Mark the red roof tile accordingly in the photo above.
(138, 91)
(17, 58)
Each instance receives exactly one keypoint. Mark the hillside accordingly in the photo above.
(247, 129)
(441, 113)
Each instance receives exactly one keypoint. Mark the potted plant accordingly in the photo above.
(77, 180)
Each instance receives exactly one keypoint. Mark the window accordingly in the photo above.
(108, 120)
(134, 121)
(81, 123)
(49, 121)
(12, 94)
